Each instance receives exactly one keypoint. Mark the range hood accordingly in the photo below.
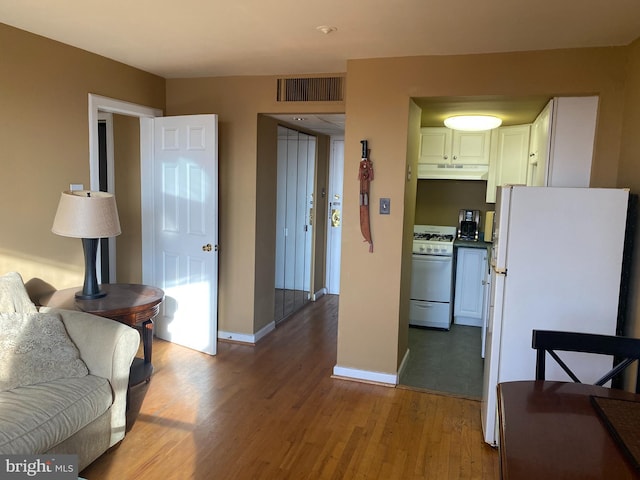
(444, 171)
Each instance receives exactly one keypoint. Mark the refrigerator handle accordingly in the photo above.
(494, 264)
(498, 270)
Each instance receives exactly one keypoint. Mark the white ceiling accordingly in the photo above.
(194, 38)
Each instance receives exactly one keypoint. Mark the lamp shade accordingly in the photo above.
(86, 214)
(472, 123)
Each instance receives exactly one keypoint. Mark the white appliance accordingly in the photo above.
(432, 276)
(556, 264)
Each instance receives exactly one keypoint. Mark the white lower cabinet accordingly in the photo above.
(471, 273)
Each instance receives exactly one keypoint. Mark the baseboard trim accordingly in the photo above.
(318, 294)
(245, 338)
(264, 331)
(386, 379)
(467, 321)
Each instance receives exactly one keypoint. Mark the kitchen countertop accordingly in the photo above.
(471, 243)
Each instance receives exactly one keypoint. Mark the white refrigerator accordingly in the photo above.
(556, 264)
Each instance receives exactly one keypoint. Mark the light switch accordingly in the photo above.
(76, 186)
(385, 206)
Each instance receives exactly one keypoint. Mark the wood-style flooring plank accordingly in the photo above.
(273, 411)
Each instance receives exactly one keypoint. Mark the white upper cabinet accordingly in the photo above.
(562, 139)
(560, 149)
(539, 147)
(435, 145)
(443, 145)
(509, 158)
(446, 153)
(573, 130)
(471, 148)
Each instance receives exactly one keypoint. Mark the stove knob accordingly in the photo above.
(421, 248)
(429, 249)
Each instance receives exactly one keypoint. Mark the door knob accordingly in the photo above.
(207, 247)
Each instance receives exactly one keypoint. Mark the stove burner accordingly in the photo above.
(433, 237)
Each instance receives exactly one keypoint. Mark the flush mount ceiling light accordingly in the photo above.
(326, 29)
(473, 123)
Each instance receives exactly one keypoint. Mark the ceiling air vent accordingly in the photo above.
(311, 89)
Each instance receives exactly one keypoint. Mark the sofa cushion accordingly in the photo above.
(35, 348)
(35, 418)
(13, 294)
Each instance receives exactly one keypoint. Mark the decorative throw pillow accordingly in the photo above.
(13, 294)
(35, 348)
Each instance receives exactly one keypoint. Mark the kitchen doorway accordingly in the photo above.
(447, 361)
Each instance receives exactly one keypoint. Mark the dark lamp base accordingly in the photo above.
(90, 296)
(90, 289)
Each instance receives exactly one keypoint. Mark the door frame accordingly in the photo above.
(98, 104)
(333, 244)
(107, 118)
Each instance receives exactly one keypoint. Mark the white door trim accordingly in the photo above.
(97, 104)
(333, 244)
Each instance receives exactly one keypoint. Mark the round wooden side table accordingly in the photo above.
(132, 304)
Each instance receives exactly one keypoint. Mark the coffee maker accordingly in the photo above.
(468, 223)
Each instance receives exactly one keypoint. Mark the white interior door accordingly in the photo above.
(184, 211)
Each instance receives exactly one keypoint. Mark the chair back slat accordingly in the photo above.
(625, 350)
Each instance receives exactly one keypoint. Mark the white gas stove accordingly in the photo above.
(432, 276)
(433, 240)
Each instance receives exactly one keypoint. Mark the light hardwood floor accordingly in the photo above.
(273, 412)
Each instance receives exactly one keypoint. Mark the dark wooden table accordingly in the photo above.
(132, 304)
(551, 430)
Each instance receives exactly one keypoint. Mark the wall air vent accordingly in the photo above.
(311, 89)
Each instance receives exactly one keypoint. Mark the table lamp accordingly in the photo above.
(90, 216)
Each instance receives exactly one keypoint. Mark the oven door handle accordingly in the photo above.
(424, 304)
(433, 258)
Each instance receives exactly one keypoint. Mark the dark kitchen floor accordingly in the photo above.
(447, 362)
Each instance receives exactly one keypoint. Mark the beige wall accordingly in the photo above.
(126, 141)
(44, 87)
(438, 202)
(377, 108)
(246, 280)
(267, 171)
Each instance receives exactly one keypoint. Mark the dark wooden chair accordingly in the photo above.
(625, 351)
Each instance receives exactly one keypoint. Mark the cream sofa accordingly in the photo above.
(83, 412)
